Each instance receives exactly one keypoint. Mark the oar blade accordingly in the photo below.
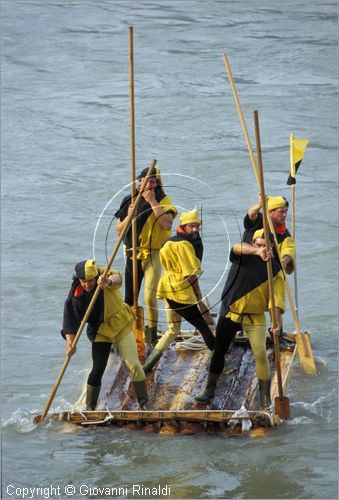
(305, 354)
(138, 329)
(282, 407)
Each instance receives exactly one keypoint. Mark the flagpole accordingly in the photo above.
(293, 175)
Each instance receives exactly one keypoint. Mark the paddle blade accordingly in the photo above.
(305, 353)
(138, 329)
(282, 407)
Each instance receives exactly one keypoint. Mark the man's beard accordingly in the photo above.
(195, 236)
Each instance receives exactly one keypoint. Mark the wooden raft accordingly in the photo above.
(179, 376)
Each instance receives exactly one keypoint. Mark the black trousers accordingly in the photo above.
(192, 314)
(129, 279)
(225, 333)
(100, 354)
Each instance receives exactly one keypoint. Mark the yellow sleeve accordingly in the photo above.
(111, 272)
(167, 206)
(189, 262)
(287, 248)
(279, 291)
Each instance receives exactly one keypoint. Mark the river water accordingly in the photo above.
(65, 168)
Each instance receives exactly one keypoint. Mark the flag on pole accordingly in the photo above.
(297, 151)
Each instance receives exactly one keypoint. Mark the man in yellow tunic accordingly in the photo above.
(155, 216)
(245, 299)
(180, 259)
(110, 322)
(278, 208)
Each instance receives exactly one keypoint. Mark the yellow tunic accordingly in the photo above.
(178, 261)
(152, 235)
(118, 316)
(251, 307)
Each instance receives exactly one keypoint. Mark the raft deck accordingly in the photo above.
(178, 377)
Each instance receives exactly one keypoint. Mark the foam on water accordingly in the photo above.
(300, 421)
(321, 407)
(20, 421)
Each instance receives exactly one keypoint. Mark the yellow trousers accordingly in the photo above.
(152, 271)
(128, 351)
(173, 328)
(257, 337)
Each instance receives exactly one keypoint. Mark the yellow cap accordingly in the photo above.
(259, 233)
(276, 202)
(191, 217)
(86, 269)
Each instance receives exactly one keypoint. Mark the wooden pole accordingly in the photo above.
(96, 293)
(282, 406)
(303, 340)
(138, 326)
(241, 116)
(293, 175)
(133, 187)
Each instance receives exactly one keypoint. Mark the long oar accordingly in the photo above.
(297, 150)
(241, 116)
(138, 326)
(96, 294)
(305, 355)
(302, 339)
(282, 404)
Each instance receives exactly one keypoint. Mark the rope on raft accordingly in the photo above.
(193, 343)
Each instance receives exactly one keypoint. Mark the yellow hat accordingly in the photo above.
(86, 270)
(191, 217)
(274, 202)
(259, 233)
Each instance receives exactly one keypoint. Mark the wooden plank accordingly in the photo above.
(167, 420)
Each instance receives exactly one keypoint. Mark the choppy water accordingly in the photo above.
(65, 154)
